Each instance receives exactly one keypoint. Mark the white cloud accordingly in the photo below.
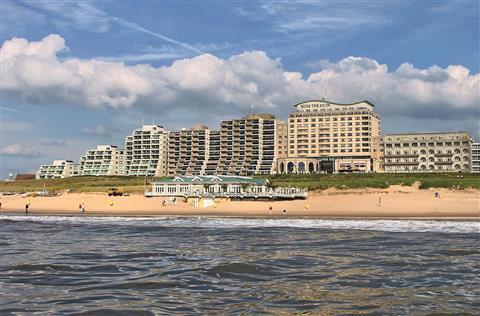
(207, 84)
(98, 130)
(17, 150)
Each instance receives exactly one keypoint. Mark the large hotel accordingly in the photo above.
(331, 137)
(318, 137)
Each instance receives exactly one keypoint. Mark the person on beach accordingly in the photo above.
(270, 210)
(284, 212)
(164, 203)
(27, 205)
(174, 202)
(82, 207)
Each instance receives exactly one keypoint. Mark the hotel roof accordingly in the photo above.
(212, 180)
(335, 103)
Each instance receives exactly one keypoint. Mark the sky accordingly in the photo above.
(83, 73)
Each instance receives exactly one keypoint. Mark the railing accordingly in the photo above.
(277, 193)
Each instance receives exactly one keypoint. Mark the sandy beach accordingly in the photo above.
(394, 202)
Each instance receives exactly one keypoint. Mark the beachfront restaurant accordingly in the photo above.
(230, 187)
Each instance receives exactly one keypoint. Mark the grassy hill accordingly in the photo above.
(312, 182)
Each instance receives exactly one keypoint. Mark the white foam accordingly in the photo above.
(225, 222)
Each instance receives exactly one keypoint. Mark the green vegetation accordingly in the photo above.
(377, 180)
(78, 184)
(312, 182)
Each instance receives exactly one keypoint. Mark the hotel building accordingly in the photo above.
(189, 151)
(423, 152)
(58, 169)
(476, 157)
(281, 142)
(247, 146)
(146, 151)
(105, 160)
(331, 137)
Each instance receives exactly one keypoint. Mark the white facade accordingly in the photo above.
(232, 187)
(476, 157)
(104, 160)
(428, 152)
(58, 169)
(146, 151)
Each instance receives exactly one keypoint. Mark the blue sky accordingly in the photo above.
(78, 74)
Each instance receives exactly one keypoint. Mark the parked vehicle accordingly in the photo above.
(115, 192)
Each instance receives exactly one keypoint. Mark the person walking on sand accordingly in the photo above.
(82, 207)
(27, 205)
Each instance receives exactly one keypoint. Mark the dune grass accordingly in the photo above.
(311, 182)
(377, 180)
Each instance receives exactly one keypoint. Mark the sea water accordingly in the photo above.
(206, 265)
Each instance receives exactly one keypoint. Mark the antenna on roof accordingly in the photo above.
(252, 108)
(142, 121)
(325, 83)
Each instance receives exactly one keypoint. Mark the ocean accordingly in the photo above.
(60, 265)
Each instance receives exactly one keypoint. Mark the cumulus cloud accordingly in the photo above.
(32, 72)
(17, 150)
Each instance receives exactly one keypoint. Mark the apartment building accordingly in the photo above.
(214, 150)
(58, 169)
(247, 145)
(189, 151)
(104, 160)
(146, 151)
(428, 152)
(476, 157)
(324, 136)
(281, 141)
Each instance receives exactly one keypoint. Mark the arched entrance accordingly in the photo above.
(301, 167)
(290, 167)
(282, 168)
(311, 167)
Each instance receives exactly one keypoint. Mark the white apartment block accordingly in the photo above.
(188, 151)
(58, 169)
(476, 157)
(428, 152)
(146, 151)
(104, 160)
(247, 145)
(324, 136)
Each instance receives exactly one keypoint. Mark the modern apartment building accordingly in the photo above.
(325, 136)
(104, 160)
(247, 146)
(189, 151)
(476, 157)
(424, 152)
(146, 151)
(58, 169)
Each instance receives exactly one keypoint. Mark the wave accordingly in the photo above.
(443, 226)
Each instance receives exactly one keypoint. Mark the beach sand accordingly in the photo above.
(394, 202)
